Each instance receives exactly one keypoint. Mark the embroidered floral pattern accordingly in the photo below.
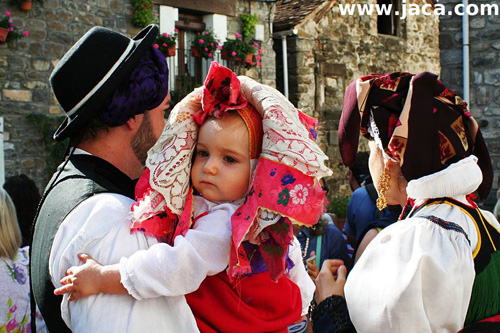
(313, 133)
(288, 179)
(280, 203)
(299, 194)
(284, 196)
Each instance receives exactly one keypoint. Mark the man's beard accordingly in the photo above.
(143, 139)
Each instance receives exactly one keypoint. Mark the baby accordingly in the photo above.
(220, 215)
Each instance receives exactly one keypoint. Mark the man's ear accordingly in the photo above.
(134, 122)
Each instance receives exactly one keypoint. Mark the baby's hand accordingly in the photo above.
(82, 281)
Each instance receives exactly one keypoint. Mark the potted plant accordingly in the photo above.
(142, 13)
(205, 44)
(338, 206)
(8, 31)
(238, 50)
(166, 43)
(257, 58)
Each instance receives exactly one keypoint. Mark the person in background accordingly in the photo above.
(320, 242)
(26, 197)
(363, 217)
(114, 90)
(361, 208)
(428, 155)
(14, 279)
(359, 174)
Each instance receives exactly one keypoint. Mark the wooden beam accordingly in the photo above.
(224, 7)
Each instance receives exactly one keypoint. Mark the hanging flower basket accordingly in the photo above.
(26, 5)
(13, 31)
(166, 43)
(224, 54)
(195, 52)
(248, 59)
(3, 34)
(170, 51)
(238, 50)
(206, 44)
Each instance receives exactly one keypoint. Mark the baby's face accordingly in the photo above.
(221, 167)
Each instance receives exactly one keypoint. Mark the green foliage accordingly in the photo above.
(47, 126)
(142, 13)
(165, 41)
(249, 23)
(15, 32)
(338, 206)
(206, 43)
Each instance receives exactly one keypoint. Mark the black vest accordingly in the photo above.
(82, 177)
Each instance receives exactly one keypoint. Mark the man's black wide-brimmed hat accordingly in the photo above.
(90, 72)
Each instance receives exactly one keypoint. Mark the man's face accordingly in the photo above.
(150, 130)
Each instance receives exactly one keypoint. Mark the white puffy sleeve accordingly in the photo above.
(298, 274)
(165, 270)
(415, 276)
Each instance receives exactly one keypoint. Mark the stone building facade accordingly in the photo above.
(484, 56)
(54, 26)
(327, 50)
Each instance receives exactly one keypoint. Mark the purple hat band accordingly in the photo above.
(144, 89)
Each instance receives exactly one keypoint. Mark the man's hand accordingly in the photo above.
(330, 280)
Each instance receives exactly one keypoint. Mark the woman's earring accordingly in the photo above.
(383, 186)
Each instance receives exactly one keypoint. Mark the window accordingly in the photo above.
(388, 23)
(188, 72)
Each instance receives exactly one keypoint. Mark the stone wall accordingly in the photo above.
(325, 56)
(265, 74)
(484, 58)
(27, 63)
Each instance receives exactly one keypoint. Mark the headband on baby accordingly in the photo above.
(221, 93)
(284, 188)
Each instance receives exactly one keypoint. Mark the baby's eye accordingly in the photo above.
(202, 153)
(229, 159)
